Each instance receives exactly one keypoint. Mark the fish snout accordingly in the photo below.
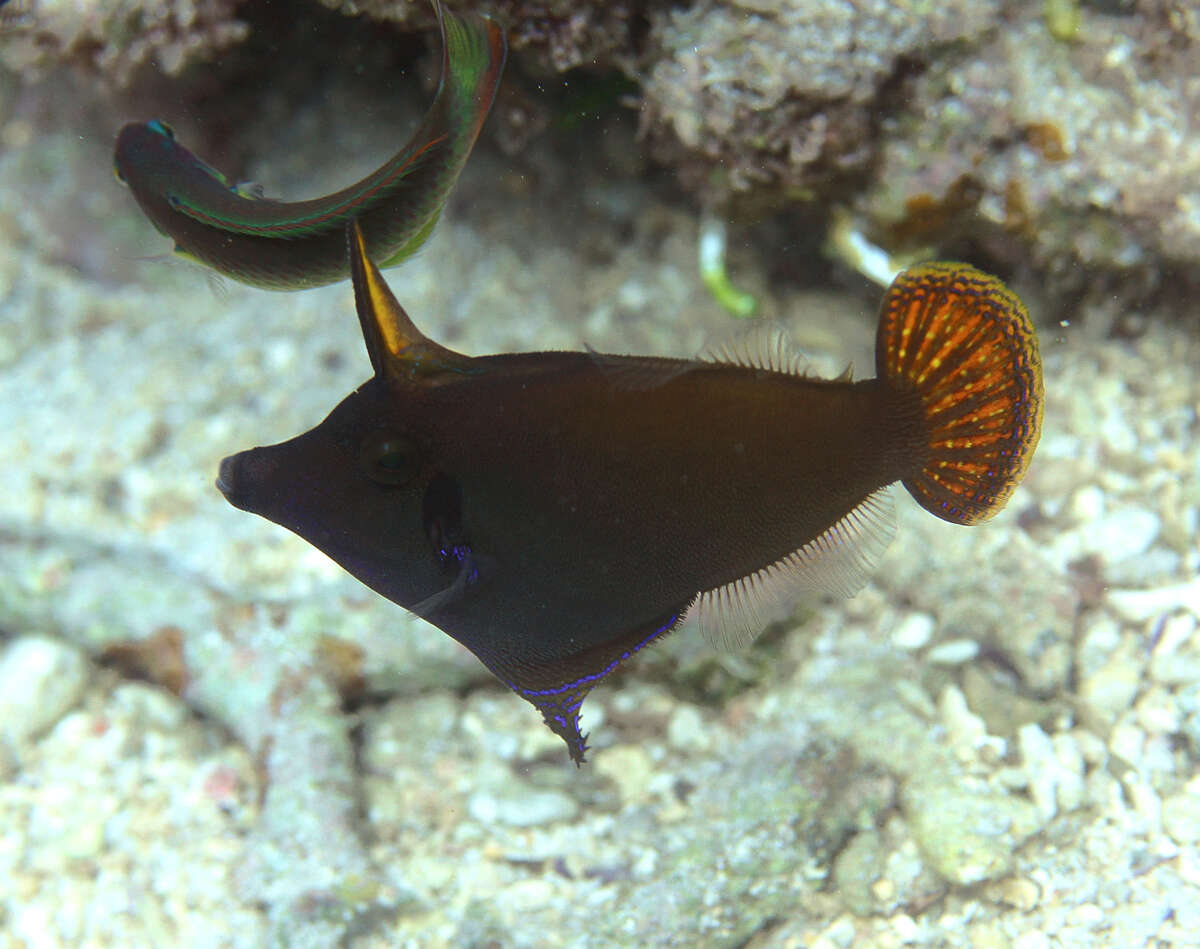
(236, 482)
(260, 480)
(227, 478)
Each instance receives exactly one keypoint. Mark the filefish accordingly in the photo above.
(290, 246)
(558, 512)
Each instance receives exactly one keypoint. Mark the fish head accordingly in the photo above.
(481, 494)
(145, 151)
(167, 180)
(363, 488)
(374, 486)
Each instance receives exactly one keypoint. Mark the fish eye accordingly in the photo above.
(389, 459)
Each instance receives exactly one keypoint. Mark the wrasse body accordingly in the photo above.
(290, 246)
(556, 512)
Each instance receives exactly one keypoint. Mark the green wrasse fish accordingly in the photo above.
(293, 245)
(557, 512)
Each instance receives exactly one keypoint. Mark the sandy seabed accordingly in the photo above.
(995, 744)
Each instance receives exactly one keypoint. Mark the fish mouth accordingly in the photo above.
(227, 480)
(255, 480)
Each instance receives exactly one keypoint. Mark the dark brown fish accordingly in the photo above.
(557, 512)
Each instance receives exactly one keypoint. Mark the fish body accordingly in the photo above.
(293, 245)
(556, 512)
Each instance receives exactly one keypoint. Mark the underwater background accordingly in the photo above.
(210, 735)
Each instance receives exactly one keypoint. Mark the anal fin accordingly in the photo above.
(838, 562)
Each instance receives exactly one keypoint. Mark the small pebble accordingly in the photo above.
(1158, 712)
(1087, 504)
(1146, 803)
(1016, 892)
(905, 927)
(913, 632)
(987, 935)
(966, 835)
(1034, 939)
(150, 707)
(1116, 433)
(41, 679)
(1101, 635)
(953, 652)
(884, 890)
(1091, 747)
(1176, 630)
(645, 865)
(1127, 742)
(1120, 534)
(521, 806)
(1188, 865)
(965, 730)
(1141, 605)
(1041, 767)
(629, 767)
(529, 895)
(686, 730)
(1072, 773)
(841, 932)
(1181, 818)
(1176, 656)
(1111, 689)
(914, 696)
(1088, 916)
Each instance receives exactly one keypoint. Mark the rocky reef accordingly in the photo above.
(1051, 139)
(1055, 139)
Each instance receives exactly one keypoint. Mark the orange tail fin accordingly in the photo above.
(964, 342)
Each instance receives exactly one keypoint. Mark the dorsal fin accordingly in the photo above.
(762, 345)
(639, 373)
(399, 351)
(837, 562)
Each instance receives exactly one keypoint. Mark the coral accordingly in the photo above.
(552, 36)
(116, 38)
(778, 94)
(1051, 134)
(976, 125)
(1084, 152)
(569, 33)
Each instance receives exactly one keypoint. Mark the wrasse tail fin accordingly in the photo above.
(474, 50)
(964, 343)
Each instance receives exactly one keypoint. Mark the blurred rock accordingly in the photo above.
(783, 94)
(41, 679)
(114, 39)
